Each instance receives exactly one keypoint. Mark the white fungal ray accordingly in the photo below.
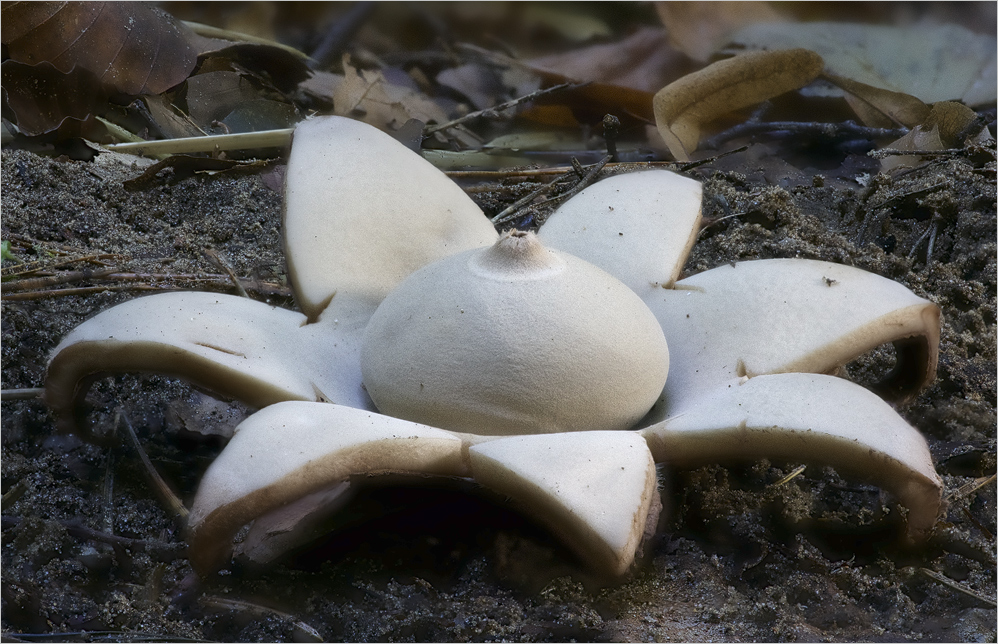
(293, 449)
(638, 227)
(592, 489)
(362, 212)
(235, 346)
(811, 418)
(789, 315)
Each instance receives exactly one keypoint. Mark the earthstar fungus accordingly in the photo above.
(536, 365)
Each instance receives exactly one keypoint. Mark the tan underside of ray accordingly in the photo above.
(235, 346)
(805, 418)
(639, 227)
(592, 489)
(788, 315)
(290, 450)
(362, 212)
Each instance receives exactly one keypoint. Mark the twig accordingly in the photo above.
(161, 549)
(235, 604)
(883, 153)
(503, 216)
(697, 164)
(493, 112)
(63, 277)
(513, 211)
(611, 128)
(830, 130)
(22, 394)
(957, 586)
(215, 259)
(969, 488)
(174, 503)
(583, 183)
(37, 265)
(339, 34)
(510, 173)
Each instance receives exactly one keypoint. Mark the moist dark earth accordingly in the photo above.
(91, 551)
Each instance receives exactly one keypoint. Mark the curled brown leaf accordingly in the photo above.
(682, 107)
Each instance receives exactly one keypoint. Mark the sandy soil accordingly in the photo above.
(89, 551)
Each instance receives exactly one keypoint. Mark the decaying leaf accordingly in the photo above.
(641, 61)
(682, 107)
(42, 98)
(931, 62)
(947, 125)
(699, 29)
(132, 47)
(369, 97)
(878, 107)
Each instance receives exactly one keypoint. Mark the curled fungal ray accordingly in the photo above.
(362, 212)
(789, 315)
(806, 417)
(235, 346)
(593, 489)
(639, 227)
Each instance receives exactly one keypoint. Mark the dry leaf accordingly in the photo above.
(947, 125)
(931, 62)
(132, 47)
(43, 99)
(698, 29)
(881, 107)
(682, 107)
(642, 61)
(368, 96)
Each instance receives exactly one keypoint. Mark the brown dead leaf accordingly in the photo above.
(698, 29)
(132, 47)
(947, 125)
(878, 107)
(684, 106)
(43, 99)
(368, 96)
(643, 61)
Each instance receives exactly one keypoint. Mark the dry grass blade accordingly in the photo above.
(969, 488)
(684, 106)
(219, 143)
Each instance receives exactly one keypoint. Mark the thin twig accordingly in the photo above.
(510, 173)
(215, 259)
(830, 130)
(957, 586)
(969, 488)
(583, 183)
(339, 34)
(504, 216)
(883, 153)
(63, 277)
(493, 112)
(236, 604)
(171, 499)
(37, 265)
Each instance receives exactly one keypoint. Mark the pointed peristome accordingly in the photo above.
(234, 346)
(362, 212)
(802, 417)
(790, 315)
